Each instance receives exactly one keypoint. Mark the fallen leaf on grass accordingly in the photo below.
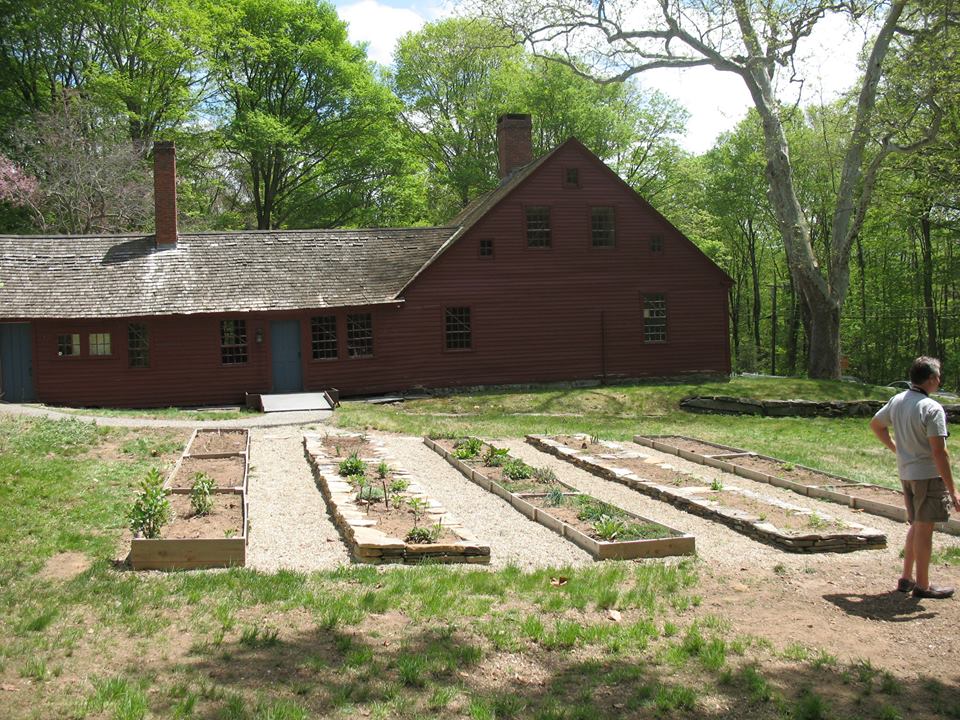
(614, 614)
(558, 581)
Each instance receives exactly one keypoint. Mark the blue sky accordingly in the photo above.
(716, 101)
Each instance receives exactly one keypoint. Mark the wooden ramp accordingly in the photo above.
(289, 402)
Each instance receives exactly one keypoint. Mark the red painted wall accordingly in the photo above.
(536, 314)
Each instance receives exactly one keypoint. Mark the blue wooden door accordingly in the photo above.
(285, 351)
(16, 362)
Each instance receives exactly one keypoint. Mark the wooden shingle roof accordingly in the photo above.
(125, 275)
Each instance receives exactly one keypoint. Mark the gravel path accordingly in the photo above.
(513, 539)
(289, 524)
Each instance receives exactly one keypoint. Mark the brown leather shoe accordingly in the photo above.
(933, 592)
(905, 585)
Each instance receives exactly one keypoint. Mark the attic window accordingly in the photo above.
(538, 227)
(233, 342)
(68, 345)
(138, 345)
(360, 335)
(100, 344)
(571, 177)
(656, 243)
(486, 247)
(654, 318)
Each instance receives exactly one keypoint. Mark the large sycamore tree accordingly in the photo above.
(758, 40)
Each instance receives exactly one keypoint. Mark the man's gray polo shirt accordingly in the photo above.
(914, 418)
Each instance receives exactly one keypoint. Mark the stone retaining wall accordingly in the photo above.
(859, 537)
(368, 544)
(727, 405)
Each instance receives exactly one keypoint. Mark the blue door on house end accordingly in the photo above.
(16, 362)
(285, 351)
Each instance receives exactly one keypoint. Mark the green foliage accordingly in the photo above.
(399, 485)
(423, 535)
(417, 506)
(201, 499)
(517, 469)
(554, 498)
(716, 485)
(495, 457)
(608, 528)
(544, 475)
(467, 448)
(383, 470)
(151, 510)
(352, 465)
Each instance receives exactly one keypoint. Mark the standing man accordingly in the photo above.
(920, 428)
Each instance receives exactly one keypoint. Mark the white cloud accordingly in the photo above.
(381, 25)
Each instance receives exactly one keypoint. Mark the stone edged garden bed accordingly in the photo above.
(873, 499)
(367, 543)
(567, 525)
(699, 499)
(189, 543)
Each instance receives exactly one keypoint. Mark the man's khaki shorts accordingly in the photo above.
(926, 500)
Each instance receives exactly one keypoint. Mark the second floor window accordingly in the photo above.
(538, 227)
(602, 221)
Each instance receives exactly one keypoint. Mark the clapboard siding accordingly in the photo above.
(536, 314)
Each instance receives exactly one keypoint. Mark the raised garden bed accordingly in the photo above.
(873, 499)
(215, 443)
(218, 539)
(603, 530)
(375, 524)
(763, 518)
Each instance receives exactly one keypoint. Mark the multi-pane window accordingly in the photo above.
(656, 243)
(654, 318)
(571, 177)
(458, 328)
(486, 247)
(323, 334)
(68, 345)
(100, 343)
(360, 335)
(233, 342)
(138, 345)
(538, 227)
(602, 221)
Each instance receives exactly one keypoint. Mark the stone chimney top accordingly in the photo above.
(514, 140)
(165, 194)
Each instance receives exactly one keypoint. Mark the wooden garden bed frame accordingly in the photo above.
(366, 543)
(861, 537)
(680, 544)
(832, 493)
(198, 553)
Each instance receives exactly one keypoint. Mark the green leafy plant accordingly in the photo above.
(201, 494)
(817, 522)
(467, 448)
(544, 475)
(398, 500)
(417, 506)
(352, 465)
(788, 467)
(151, 510)
(517, 469)
(608, 528)
(383, 470)
(421, 535)
(716, 486)
(495, 457)
(399, 485)
(229, 533)
(554, 498)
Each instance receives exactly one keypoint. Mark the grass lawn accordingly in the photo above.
(616, 639)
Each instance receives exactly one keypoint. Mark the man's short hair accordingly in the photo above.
(923, 367)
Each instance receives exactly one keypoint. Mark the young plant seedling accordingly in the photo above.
(201, 497)
(417, 506)
(151, 510)
(495, 457)
(716, 486)
(554, 498)
(352, 465)
(544, 475)
(383, 470)
(608, 528)
(467, 448)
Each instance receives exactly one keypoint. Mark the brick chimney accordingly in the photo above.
(514, 139)
(165, 194)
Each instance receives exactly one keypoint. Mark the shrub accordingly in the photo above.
(517, 469)
(201, 498)
(151, 510)
(352, 465)
(467, 448)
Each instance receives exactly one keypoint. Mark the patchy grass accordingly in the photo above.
(620, 412)
(169, 413)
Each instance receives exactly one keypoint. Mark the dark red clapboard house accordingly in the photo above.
(561, 273)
